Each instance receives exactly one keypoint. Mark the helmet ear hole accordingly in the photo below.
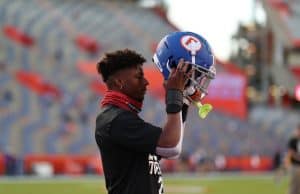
(173, 64)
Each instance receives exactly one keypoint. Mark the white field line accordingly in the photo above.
(100, 179)
(185, 189)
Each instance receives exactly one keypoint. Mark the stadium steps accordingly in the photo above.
(86, 139)
(67, 138)
(38, 144)
(20, 117)
(78, 140)
(18, 107)
(50, 139)
(26, 95)
(280, 121)
(16, 136)
(130, 28)
(6, 122)
(40, 138)
(80, 132)
(29, 142)
(12, 115)
(142, 17)
(3, 9)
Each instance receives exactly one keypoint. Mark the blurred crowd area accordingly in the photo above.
(50, 93)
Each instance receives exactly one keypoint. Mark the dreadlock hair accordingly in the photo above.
(113, 62)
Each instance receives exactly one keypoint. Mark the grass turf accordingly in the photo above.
(184, 184)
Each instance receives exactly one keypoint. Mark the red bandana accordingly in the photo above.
(121, 100)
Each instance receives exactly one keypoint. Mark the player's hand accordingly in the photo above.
(178, 77)
(192, 94)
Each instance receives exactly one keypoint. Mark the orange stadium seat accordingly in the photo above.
(18, 35)
(87, 68)
(35, 82)
(87, 43)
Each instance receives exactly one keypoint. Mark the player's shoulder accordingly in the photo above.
(108, 114)
(110, 110)
(127, 117)
(114, 113)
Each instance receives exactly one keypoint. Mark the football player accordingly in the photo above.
(130, 147)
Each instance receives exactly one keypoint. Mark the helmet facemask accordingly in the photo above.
(199, 81)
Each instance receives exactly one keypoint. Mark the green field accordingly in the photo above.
(179, 184)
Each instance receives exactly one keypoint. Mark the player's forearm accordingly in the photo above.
(169, 150)
(171, 131)
(174, 151)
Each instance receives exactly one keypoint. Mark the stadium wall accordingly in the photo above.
(76, 165)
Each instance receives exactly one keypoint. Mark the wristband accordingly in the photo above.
(174, 101)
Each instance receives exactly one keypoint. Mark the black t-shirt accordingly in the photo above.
(294, 144)
(127, 146)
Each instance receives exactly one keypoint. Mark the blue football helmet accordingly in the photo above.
(195, 50)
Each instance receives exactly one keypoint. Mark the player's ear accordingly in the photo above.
(115, 82)
(119, 83)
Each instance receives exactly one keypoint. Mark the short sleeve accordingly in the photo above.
(132, 132)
